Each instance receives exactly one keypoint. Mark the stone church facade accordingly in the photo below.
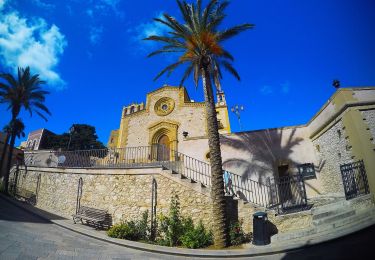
(342, 131)
(169, 118)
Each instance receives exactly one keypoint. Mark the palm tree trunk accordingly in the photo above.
(10, 155)
(5, 148)
(220, 230)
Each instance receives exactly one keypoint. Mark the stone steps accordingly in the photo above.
(343, 220)
(335, 216)
(331, 207)
(175, 176)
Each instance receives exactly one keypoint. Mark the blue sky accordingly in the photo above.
(91, 54)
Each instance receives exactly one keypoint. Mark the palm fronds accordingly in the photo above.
(198, 38)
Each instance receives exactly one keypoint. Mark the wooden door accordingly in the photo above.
(163, 148)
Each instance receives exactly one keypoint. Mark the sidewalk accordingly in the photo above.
(251, 250)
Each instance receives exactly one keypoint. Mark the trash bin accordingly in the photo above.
(261, 235)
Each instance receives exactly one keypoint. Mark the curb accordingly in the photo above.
(290, 245)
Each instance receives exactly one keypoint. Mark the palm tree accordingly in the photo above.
(21, 92)
(199, 41)
(7, 130)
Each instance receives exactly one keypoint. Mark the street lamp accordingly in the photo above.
(336, 83)
(71, 131)
(237, 110)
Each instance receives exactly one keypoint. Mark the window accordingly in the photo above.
(307, 170)
(132, 109)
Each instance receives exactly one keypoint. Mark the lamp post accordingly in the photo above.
(236, 109)
(71, 131)
(336, 83)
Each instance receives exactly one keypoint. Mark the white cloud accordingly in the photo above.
(31, 43)
(266, 90)
(2, 4)
(96, 34)
(145, 30)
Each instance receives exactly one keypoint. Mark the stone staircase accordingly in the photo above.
(339, 217)
(187, 182)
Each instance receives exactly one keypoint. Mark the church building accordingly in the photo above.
(341, 132)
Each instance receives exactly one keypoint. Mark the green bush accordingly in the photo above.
(237, 235)
(196, 237)
(171, 227)
(171, 230)
(176, 230)
(131, 230)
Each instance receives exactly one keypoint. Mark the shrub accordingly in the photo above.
(126, 230)
(176, 230)
(196, 237)
(131, 230)
(237, 235)
(171, 226)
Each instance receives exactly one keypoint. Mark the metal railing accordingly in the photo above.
(290, 194)
(263, 194)
(354, 179)
(247, 189)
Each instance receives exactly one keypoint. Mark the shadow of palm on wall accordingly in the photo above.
(262, 150)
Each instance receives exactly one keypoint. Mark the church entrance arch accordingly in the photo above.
(163, 139)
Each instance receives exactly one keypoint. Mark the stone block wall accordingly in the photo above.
(333, 149)
(369, 115)
(126, 194)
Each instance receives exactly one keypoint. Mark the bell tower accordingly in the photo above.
(222, 113)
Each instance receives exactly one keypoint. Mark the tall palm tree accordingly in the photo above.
(199, 40)
(24, 91)
(7, 130)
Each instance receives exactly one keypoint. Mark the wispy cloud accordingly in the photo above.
(145, 30)
(43, 5)
(96, 34)
(100, 8)
(285, 87)
(266, 90)
(31, 43)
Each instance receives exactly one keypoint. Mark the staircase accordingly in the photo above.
(334, 220)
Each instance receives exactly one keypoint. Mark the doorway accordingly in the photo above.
(285, 189)
(163, 153)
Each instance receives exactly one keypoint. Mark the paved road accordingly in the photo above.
(25, 236)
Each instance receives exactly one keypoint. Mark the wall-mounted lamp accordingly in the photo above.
(185, 134)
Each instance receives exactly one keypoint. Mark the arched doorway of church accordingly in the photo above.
(163, 148)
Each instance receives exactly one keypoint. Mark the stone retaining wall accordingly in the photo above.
(126, 194)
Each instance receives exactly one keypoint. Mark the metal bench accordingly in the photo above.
(93, 216)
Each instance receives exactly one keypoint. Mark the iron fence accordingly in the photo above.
(247, 189)
(284, 193)
(290, 194)
(354, 179)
